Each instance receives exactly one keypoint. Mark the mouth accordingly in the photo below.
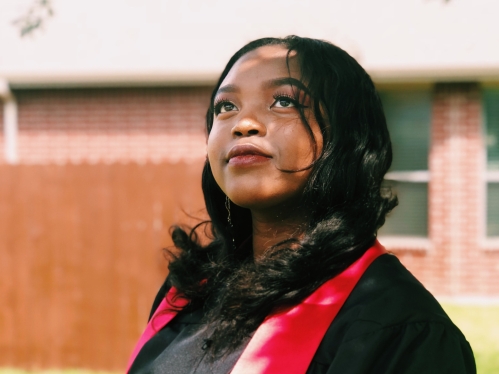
(246, 154)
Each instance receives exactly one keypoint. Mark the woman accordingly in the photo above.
(293, 280)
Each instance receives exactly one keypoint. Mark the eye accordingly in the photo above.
(284, 101)
(223, 106)
(227, 107)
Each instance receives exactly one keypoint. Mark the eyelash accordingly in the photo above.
(295, 102)
(217, 105)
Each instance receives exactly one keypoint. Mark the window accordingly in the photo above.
(491, 104)
(408, 114)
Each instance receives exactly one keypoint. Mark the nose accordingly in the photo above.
(249, 126)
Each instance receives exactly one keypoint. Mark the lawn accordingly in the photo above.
(480, 325)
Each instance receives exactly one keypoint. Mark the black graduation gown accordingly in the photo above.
(389, 324)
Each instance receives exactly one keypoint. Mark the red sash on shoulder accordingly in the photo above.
(159, 319)
(287, 340)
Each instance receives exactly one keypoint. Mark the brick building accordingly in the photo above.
(445, 149)
(102, 143)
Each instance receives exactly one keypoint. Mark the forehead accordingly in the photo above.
(264, 63)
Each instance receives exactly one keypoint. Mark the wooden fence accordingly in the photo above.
(81, 258)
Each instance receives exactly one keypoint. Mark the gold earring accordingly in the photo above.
(229, 221)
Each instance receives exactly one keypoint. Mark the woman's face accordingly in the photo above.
(257, 132)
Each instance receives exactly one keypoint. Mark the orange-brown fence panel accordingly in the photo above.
(81, 259)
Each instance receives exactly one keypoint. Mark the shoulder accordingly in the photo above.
(388, 294)
(390, 320)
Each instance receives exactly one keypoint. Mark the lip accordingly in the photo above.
(247, 154)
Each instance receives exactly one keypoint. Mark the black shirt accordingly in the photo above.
(389, 324)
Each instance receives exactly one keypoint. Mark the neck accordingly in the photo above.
(272, 227)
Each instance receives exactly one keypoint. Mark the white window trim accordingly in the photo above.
(10, 125)
(409, 243)
(405, 243)
(422, 176)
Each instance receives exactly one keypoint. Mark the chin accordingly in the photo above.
(264, 194)
(259, 202)
(249, 202)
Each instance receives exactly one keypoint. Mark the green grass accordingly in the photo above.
(480, 325)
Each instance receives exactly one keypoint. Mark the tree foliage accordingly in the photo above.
(40, 11)
(34, 18)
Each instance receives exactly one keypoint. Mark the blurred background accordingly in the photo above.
(102, 144)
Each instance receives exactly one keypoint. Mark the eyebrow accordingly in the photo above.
(286, 81)
(228, 88)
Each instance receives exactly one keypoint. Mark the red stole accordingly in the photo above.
(287, 340)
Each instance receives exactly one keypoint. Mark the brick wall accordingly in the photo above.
(111, 125)
(456, 264)
(2, 149)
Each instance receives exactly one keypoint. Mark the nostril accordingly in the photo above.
(238, 133)
(253, 132)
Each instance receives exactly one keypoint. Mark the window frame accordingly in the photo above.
(408, 242)
(487, 176)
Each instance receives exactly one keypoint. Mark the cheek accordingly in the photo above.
(297, 148)
(309, 146)
(214, 144)
(215, 156)
(210, 149)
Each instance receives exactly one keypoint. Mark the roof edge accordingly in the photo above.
(26, 81)
(111, 79)
(440, 74)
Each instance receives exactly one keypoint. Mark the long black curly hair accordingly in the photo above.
(344, 195)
